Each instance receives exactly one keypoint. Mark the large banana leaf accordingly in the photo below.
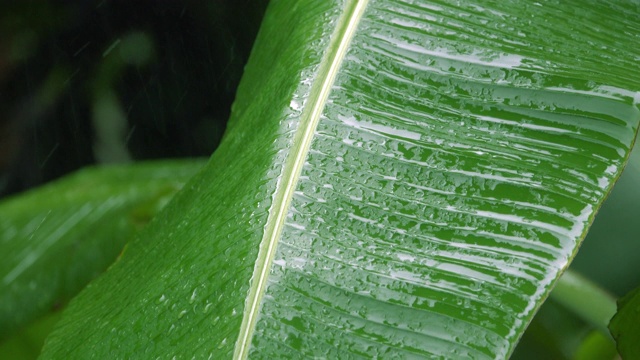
(399, 179)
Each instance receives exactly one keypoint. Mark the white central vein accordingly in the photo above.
(275, 223)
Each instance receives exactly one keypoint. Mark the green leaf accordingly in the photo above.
(399, 179)
(584, 298)
(57, 238)
(625, 325)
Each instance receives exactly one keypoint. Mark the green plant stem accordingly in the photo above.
(586, 299)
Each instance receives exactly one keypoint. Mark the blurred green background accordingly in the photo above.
(91, 82)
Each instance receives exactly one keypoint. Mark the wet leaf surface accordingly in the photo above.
(398, 179)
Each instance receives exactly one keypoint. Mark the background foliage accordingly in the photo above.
(114, 82)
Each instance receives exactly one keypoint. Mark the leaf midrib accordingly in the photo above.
(328, 69)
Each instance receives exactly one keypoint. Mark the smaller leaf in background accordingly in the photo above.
(625, 325)
(586, 299)
(55, 239)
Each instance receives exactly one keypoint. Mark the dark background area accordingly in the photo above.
(85, 82)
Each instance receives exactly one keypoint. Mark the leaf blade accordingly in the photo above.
(456, 236)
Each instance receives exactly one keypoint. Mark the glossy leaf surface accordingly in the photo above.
(625, 325)
(55, 239)
(399, 179)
